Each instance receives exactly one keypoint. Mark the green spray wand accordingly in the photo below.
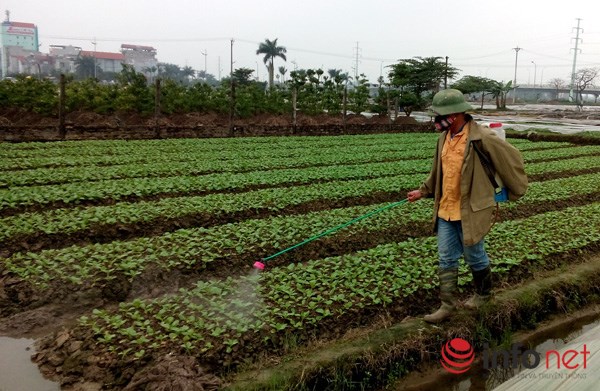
(260, 265)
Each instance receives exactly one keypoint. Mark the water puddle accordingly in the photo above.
(479, 379)
(17, 371)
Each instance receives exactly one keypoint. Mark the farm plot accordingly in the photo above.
(169, 230)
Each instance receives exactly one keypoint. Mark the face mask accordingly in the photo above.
(443, 122)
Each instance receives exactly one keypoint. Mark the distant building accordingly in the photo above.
(19, 45)
(64, 57)
(108, 62)
(19, 53)
(142, 58)
(24, 35)
(28, 62)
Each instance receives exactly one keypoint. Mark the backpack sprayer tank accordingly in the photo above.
(501, 194)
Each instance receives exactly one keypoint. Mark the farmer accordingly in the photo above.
(464, 197)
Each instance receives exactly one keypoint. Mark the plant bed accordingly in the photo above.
(222, 323)
(382, 356)
(166, 271)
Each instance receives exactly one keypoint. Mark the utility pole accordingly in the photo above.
(219, 64)
(95, 66)
(534, 72)
(446, 74)
(575, 50)
(232, 101)
(61, 107)
(204, 53)
(515, 80)
(356, 64)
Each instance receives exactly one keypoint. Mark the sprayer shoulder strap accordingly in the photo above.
(486, 162)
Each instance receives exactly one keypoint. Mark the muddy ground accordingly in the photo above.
(17, 125)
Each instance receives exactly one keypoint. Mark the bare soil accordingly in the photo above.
(19, 126)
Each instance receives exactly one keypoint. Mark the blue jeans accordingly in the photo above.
(451, 247)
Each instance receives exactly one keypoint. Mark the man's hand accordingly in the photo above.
(414, 195)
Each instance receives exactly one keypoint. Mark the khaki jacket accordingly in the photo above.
(477, 193)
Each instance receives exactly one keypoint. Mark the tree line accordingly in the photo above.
(410, 86)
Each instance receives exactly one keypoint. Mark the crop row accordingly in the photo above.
(139, 147)
(406, 151)
(195, 248)
(276, 199)
(73, 193)
(197, 164)
(526, 146)
(117, 189)
(423, 147)
(558, 189)
(230, 319)
(193, 150)
(72, 220)
(205, 145)
(187, 248)
(555, 153)
(563, 165)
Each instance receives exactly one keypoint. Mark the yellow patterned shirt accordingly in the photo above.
(453, 154)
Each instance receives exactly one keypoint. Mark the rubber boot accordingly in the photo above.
(482, 279)
(448, 287)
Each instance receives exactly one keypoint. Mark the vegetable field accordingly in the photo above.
(146, 247)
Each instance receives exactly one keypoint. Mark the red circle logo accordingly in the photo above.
(457, 356)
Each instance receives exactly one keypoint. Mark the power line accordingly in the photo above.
(136, 39)
(484, 56)
(355, 57)
(547, 55)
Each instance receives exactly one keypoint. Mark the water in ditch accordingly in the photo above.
(554, 337)
(17, 371)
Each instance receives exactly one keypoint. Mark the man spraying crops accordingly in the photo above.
(465, 196)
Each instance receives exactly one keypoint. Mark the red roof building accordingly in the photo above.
(102, 55)
(108, 62)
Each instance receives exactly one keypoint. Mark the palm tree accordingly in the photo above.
(152, 70)
(271, 50)
(499, 91)
(319, 73)
(84, 67)
(187, 72)
(169, 71)
(338, 76)
(283, 71)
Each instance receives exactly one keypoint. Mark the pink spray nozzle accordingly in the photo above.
(259, 265)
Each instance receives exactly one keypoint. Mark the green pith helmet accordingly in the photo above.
(449, 101)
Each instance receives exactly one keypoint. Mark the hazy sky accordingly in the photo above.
(477, 36)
